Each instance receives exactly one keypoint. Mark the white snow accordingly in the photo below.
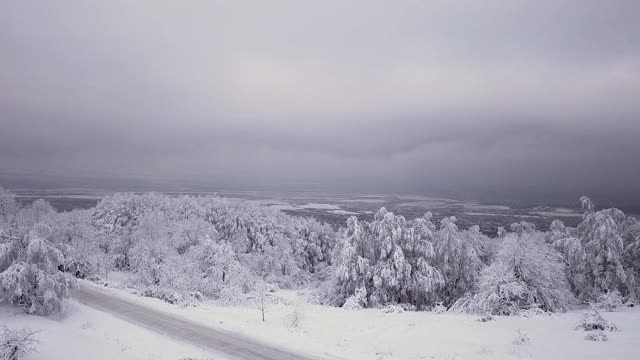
(372, 334)
(422, 197)
(343, 212)
(368, 201)
(475, 206)
(499, 214)
(556, 214)
(281, 205)
(320, 206)
(284, 207)
(423, 204)
(268, 202)
(87, 334)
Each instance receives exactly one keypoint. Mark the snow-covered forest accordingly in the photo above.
(189, 249)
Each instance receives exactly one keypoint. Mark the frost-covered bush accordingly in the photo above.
(486, 318)
(295, 315)
(499, 292)
(533, 311)
(166, 295)
(521, 343)
(356, 301)
(526, 273)
(439, 308)
(597, 336)
(521, 338)
(393, 309)
(32, 279)
(593, 321)
(609, 301)
(352, 304)
(231, 295)
(15, 344)
(408, 307)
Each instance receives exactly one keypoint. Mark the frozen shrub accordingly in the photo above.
(195, 295)
(486, 318)
(17, 343)
(596, 336)
(533, 311)
(439, 308)
(393, 309)
(295, 316)
(485, 351)
(166, 295)
(33, 280)
(609, 301)
(592, 320)
(408, 307)
(352, 303)
(526, 272)
(230, 295)
(499, 293)
(521, 338)
(520, 343)
(357, 301)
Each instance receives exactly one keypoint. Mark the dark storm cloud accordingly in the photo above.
(406, 96)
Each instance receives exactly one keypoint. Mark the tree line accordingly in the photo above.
(187, 248)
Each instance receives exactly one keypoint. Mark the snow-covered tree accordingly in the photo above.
(260, 296)
(388, 260)
(32, 279)
(458, 259)
(8, 209)
(314, 244)
(498, 292)
(425, 280)
(74, 236)
(526, 272)
(217, 266)
(352, 269)
(392, 271)
(631, 258)
(594, 253)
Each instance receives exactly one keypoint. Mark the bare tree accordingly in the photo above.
(260, 298)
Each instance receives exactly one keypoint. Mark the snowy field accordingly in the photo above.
(328, 332)
(218, 257)
(87, 334)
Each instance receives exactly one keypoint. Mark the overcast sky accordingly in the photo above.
(390, 95)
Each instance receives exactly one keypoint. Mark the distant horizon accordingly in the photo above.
(141, 185)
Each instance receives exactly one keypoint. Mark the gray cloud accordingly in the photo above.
(410, 96)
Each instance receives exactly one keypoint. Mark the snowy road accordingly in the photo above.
(233, 346)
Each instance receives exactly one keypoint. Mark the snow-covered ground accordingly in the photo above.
(372, 334)
(476, 206)
(87, 334)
